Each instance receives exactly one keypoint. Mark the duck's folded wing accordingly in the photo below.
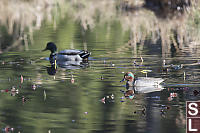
(71, 52)
(148, 81)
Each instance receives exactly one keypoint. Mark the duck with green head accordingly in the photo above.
(68, 54)
(141, 81)
(66, 57)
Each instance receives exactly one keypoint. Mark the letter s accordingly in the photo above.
(193, 108)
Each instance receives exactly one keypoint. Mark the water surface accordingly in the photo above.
(71, 100)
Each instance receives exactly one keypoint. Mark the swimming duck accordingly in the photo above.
(67, 59)
(66, 55)
(171, 67)
(141, 81)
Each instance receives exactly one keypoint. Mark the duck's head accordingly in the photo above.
(129, 76)
(51, 46)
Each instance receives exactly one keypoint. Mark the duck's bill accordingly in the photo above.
(122, 80)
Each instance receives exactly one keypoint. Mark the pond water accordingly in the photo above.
(72, 99)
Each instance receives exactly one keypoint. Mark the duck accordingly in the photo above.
(68, 58)
(67, 54)
(141, 82)
(171, 67)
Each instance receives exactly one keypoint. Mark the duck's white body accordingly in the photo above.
(146, 84)
(148, 81)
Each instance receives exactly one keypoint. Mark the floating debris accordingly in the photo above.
(173, 94)
(72, 79)
(164, 107)
(122, 97)
(24, 99)
(34, 87)
(45, 96)
(112, 64)
(163, 113)
(103, 100)
(134, 63)
(73, 121)
(144, 111)
(22, 79)
(14, 91)
(171, 67)
(177, 89)
(86, 113)
(108, 98)
(8, 129)
(170, 98)
(184, 76)
(146, 71)
(195, 92)
(6, 90)
(112, 96)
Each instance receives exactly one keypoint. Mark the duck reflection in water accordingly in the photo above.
(67, 59)
(141, 84)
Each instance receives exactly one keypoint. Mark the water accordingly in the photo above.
(71, 100)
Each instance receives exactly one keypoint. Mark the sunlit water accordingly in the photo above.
(71, 100)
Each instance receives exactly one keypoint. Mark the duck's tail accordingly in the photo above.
(84, 54)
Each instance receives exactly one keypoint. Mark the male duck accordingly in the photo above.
(141, 81)
(66, 55)
(171, 67)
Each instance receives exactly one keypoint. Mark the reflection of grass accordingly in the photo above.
(178, 31)
(21, 18)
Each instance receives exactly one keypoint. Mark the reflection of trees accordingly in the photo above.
(170, 25)
(20, 18)
(174, 24)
